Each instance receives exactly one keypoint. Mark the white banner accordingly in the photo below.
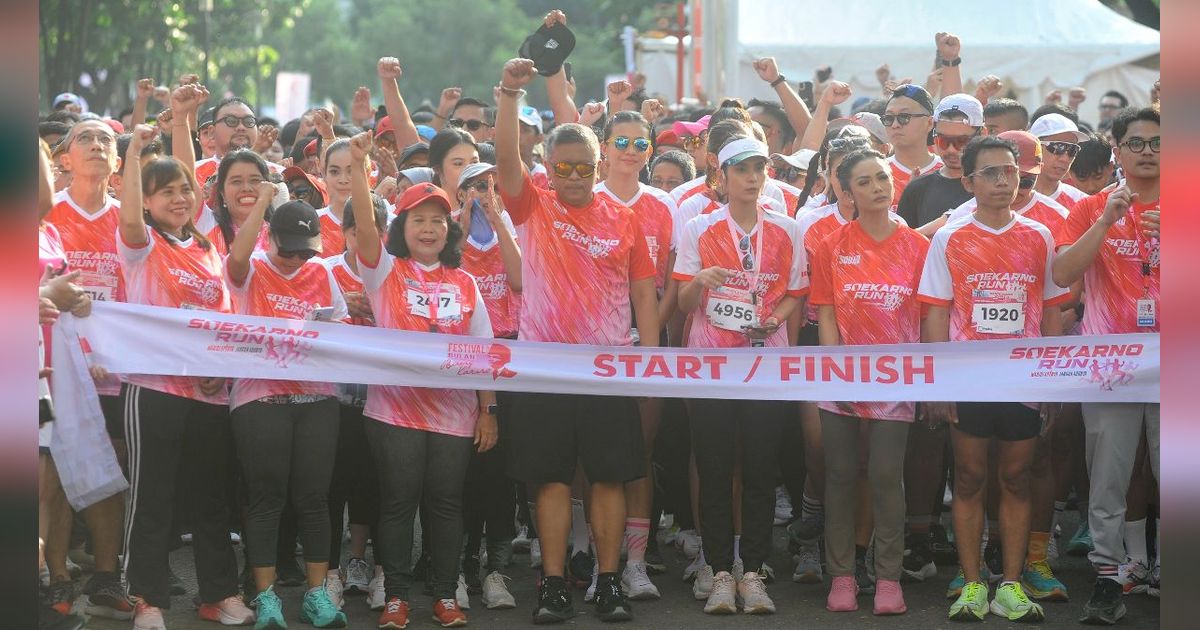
(135, 339)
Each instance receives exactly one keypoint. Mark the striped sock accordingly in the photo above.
(637, 533)
(811, 508)
(1106, 572)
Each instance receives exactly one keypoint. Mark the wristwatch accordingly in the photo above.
(776, 82)
(491, 409)
(951, 62)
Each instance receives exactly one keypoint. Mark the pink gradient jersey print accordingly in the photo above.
(655, 212)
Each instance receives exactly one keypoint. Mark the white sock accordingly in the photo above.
(579, 527)
(701, 557)
(737, 548)
(1135, 541)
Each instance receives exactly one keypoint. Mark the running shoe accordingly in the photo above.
(395, 615)
(636, 583)
(358, 576)
(1134, 577)
(1052, 548)
(702, 587)
(579, 567)
(147, 617)
(106, 597)
(535, 553)
(60, 595)
(446, 612)
(843, 595)
(495, 592)
(1081, 541)
(694, 567)
(333, 584)
(461, 597)
(320, 611)
(269, 611)
(918, 558)
(1105, 606)
(752, 594)
(783, 506)
(808, 565)
(1011, 603)
(231, 611)
(889, 598)
(806, 529)
(954, 589)
(689, 542)
(1038, 579)
(376, 594)
(862, 575)
(611, 604)
(554, 601)
(520, 544)
(471, 565)
(972, 604)
(50, 619)
(722, 600)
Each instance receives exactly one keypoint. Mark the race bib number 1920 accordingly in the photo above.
(1000, 318)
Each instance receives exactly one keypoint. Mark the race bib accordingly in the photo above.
(98, 287)
(999, 318)
(447, 307)
(1147, 313)
(731, 310)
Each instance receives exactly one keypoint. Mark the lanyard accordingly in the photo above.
(1144, 249)
(437, 294)
(756, 253)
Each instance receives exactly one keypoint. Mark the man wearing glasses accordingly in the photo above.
(471, 114)
(957, 119)
(1060, 140)
(234, 127)
(1111, 103)
(908, 120)
(1110, 241)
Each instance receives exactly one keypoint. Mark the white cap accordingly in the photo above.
(965, 103)
(1052, 124)
(741, 149)
(871, 122)
(530, 116)
(800, 159)
(474, 170)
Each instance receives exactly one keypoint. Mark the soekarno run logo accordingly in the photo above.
(283, 347)
(478, 358)
(1104, 365)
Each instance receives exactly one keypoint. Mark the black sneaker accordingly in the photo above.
(866, 585)
(580, 566)
(106, 597)
(611, 604)
(471, 572)
(288, 573)
(993, 557)
(918, 558)
(1105, 607)
(554, 601)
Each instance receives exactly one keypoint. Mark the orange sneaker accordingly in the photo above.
(447, 613)
(395, 614)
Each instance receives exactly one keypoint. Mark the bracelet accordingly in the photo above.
(951, 62)
(510, 91)
(776, 82)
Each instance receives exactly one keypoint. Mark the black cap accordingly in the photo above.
(548, 48)
(916, 93)
(296, 227)
(411, 150)
(205, 118)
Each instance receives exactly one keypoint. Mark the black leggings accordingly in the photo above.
(489, 499)
(354, 483)
(287, 450)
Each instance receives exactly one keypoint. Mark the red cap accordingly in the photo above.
(310, 149)
(416, 195)
(383, 126)
(667, 137)
(116, 125)
(1029, 150)
(295, 172)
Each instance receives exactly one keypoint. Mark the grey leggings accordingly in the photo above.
(840, 439)
(287, 450)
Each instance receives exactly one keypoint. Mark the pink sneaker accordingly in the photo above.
(889, 598)
(842, 595)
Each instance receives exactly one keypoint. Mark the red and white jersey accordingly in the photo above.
(817, 224)
(1113, 283)
(333, 240)
(267, 292)
(208, 167)
(576, 267)
(540, 176)
(746, 297)
(206, 223)
(655, 212)
(1040, 208)
(791, 197)
(872, 286)
(705, 203)
(1067, 195)
(407, 295)
(485, 262)
(347, 280)
(90, 243)
(696, 186)
(995, 282)
(901, 174)
(175, 274)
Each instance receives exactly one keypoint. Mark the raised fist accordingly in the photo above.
(517, 73)
(767, 69)
(389, 68)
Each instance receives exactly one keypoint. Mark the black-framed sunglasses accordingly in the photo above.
(249, 122)
(1137, 145)
(480, 186)
(622, 143)
(302, 254)
(747, 255)
(1058, 147)
(903, 119)
(472, 125)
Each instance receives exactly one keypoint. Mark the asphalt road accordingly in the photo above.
(797, 604)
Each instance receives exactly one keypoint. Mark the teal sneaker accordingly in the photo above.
(954, 589)
(972, 604)
(1039, 580)
(1012, 604)
(269, 611)
(1081, 543)
(320, 611)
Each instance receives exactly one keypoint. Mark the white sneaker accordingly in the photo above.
(333, 586)
(668, 535)
(520, 544)
(460, 594)
(767, 572)
(808, 565)
(235, 538)
(231, 611)
(722, 600)
(693, 568)
(147, 617)
(689, 541)
(703, 586)
(636, 583)
(1134, 577)
(358, 575)
(535, 553)
(753, 595)
(739, 568)
(376, 595)
(495, 592)
(783, 506)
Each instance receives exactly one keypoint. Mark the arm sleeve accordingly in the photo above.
(936, 286)
(481, 322)
(523, 205)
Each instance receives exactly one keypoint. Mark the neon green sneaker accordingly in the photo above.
(955, 587)
(1039, 580)
(972, 604)
(1012, 603)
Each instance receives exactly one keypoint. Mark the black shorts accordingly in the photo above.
(808, 335)
(114, 414)
(1006, 421)
(546, 434)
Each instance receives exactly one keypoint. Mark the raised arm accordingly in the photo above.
(185, 101)
(132, 223)
(367, 234)
(144, 90)
(511, 170)
(510, 253)
(797, 112)
(1071, 262)
(949, 48)
(402, 124)
(557, 89)
(450, 97)
(836, 93)
(237, 263)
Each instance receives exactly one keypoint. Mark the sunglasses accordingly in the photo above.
(480, 186)
(302, 254)
(621, 143)
(903, 119)
(692, 142)
(471, 125)
(300, 192)
(232, 122)
(582, 169)
(995, 174)
(951, 142)
(840, 145)
(747, 256)
(1058, 147)
(1137, 145)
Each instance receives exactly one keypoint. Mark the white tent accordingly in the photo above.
(1034, 46)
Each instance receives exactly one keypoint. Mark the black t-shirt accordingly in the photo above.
(929, 197)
